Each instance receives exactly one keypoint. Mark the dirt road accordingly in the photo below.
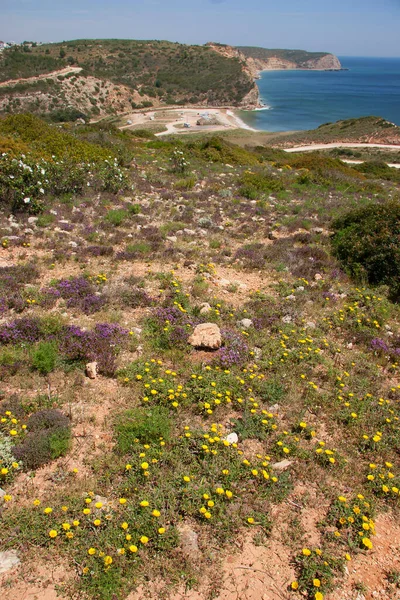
(51, 75)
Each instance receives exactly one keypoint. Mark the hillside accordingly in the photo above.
(199, 369)
(263, 59)
(153, 72)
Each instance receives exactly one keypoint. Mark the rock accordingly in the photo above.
(188, 538)
(137, 330)
(32, 220)
(205, 308)
(310, 325)
(318, 277)
(91, 370)
(282, 465)
(206, 335)
(8, 560)
(291, 297)
(189, 231)
(224, 282)
(287, 319)
(246, 323)
(317, 230)
(232, 438)
(274, 408)
(73, 244)
(2, 493)
(257, 353)
(172, 238)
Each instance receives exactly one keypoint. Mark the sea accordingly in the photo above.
(300, 100)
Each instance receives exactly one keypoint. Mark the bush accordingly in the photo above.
(145, 425)
(48, 438)
(367, 241)
(44, 357)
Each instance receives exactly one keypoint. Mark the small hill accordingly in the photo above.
(153, 72)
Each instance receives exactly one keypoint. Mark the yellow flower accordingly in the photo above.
(108, 561)
(92, 551)
(66, 526)
(250, 520)
(347, 556)
(48, 510)
(186, 478)
(144, 539)
(319, 596)
(86, 511)
(7, 498)
(316, 583)
(53, 533)
(220, 491)
(306, 552)
(124, 525)
(133, 548)
(122, 501)
(294, 585)
(145, 466)
(161, 530)
(156, 513)
(97, 522)
(367, 543)
(36, 502)
(144, 503)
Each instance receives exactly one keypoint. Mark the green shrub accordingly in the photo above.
(367, 242)
(44, 357)
(49, 437)
(116, 216)
(145, 425)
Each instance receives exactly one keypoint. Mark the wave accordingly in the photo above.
(265, 107)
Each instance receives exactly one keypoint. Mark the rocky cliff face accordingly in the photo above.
(252, 98)
(329, 61)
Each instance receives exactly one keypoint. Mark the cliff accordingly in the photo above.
(264, 59)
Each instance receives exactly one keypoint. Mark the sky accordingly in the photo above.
(343, 27)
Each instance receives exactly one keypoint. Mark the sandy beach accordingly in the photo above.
(185, 120)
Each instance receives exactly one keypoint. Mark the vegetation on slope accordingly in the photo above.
(203, 231)
(174, 73)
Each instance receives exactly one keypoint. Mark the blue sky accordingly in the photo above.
(344, 27)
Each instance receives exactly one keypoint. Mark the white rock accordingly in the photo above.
(246, 323)
(318, 277)
(205, 308)
(172, 238)
(8, 560)
(232, 438)
(282, 465)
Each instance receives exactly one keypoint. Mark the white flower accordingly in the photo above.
(27, 200)
(41, 190)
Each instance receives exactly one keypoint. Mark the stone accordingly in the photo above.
(287, 319)
(232, 438)
(318, 277)
(188, 539)
(32, 220)
(2, 493)
(189, 231)
(310, 325)
(205, 308)
(275, 408)
(282, 465)
(91, 370)
(206, 335)
(257, 353)
(8, 560)
(172, 238)
(246, 323)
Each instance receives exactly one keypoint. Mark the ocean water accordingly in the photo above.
(299, 100)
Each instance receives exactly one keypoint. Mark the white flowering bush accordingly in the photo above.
(179, 162)
(24, 181)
